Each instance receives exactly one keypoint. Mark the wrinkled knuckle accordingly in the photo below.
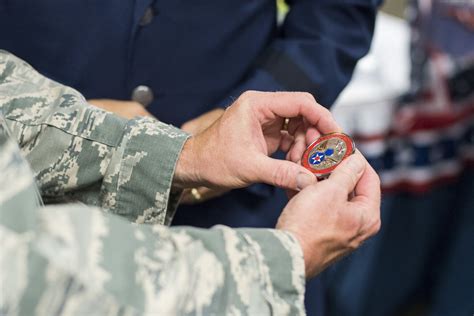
(351, 224)
(246, 95)
(377, 180)
(308, 96)
(281, 176)
(278, 178)
(325, 112)
(355, 227)
(378, 218)
(354, 244)
(376, 226)
(245, 99)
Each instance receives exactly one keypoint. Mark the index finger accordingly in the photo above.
(294, 104)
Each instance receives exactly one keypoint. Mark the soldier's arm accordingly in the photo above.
(82, 261)
(77, 260)
(257, 271)
(81, 153)
(104, 263)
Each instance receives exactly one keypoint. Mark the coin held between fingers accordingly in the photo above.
(326, 153)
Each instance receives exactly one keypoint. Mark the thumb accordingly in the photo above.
(284, 174)
(349, 172)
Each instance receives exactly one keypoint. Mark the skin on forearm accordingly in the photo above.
(186, 172)
(198, 162)
(194, 127)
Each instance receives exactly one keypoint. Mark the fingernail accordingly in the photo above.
(303, 180)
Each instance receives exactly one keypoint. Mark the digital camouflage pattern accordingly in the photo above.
(80, 260)
(81, 153)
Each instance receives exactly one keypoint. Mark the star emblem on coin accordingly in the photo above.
(324, 154)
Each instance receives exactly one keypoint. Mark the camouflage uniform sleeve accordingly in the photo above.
(77, 260)
(81, 153)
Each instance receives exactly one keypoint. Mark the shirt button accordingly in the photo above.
(142, 95)
(147, 17)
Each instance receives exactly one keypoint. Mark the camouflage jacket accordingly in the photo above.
(95, 257)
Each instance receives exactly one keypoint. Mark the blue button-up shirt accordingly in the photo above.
(194, 54)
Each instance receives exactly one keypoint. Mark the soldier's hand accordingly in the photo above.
(125, 109)
(328, 219)
(196, 126)
(234, 151)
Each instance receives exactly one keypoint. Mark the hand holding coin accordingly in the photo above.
(235, 150)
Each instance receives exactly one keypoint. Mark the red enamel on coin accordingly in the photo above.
(327, 152)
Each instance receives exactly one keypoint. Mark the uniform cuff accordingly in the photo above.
(149, 152)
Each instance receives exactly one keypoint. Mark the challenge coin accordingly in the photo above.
(325, 153)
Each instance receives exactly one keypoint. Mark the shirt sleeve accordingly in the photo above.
(315, 49)
(80, 153)
(88, 262)
(78, 260)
